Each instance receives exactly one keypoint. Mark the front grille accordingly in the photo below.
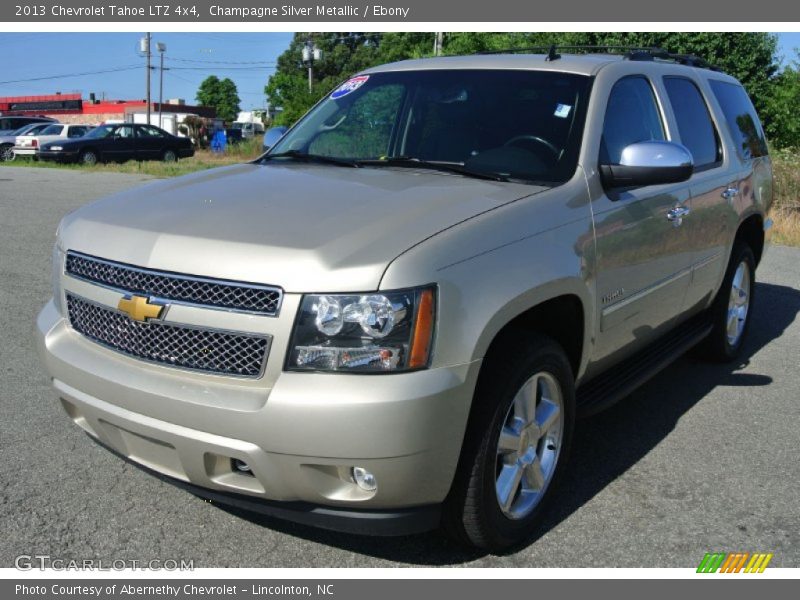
(214, 293)
(207, 350)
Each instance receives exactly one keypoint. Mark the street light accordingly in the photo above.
(311, 53)
(161, 47)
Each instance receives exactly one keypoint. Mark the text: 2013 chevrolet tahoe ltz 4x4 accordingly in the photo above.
(391, 320)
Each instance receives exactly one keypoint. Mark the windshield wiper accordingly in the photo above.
(318, 158)
(447, 167)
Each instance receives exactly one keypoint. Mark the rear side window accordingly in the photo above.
(694, 122)
(742, 119)
(631, 116)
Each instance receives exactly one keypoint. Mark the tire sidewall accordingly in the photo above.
(741, 253)
(170, 156)
(493, 397)
(87, 153)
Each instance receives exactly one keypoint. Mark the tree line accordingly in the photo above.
(751, 57)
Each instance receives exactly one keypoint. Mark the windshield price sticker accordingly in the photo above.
(562, 111)
(349, 86)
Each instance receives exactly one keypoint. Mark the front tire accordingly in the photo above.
(89, 158)
(516, 445)
(169, 156)
(732, 307)
(6, 153)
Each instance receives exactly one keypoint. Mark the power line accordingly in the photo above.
(223, 62)
(68, 75)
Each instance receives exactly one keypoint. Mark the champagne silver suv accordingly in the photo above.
(391, 320)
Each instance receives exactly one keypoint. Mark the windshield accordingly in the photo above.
(101, 131)
(517, 124)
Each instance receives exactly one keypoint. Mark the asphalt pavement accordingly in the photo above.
(702, 458)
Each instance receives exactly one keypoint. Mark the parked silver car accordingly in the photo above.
(391, 320)
(7, 142)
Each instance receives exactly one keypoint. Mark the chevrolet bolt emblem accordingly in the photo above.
(139, 308)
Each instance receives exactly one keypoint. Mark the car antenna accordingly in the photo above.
(552, 54)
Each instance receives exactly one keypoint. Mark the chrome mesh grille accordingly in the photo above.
(172, 286)
(208, 350)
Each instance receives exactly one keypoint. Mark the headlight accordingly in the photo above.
(378, 332)
(55, 148)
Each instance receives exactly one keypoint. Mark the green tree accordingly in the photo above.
(783, 127)
(220, 94)
(748, 56)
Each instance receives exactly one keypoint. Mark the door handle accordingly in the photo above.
(677, 214)
(730, 193)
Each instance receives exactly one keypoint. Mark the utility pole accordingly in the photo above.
(161, 49)
(438, 43)
(310, 54)
(149, 54)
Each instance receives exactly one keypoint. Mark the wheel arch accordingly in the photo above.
(751, 231)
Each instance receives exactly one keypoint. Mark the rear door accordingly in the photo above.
(150, 142)
(643, 258)
(712, 186)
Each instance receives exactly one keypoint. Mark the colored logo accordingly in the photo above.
(349, 86)
(734, 562)
(140, 308)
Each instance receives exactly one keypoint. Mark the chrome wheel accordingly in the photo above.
(738, 303)
(529, 445)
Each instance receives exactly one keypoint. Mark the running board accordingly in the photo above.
(619, 381)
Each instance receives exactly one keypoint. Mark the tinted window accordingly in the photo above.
(631, 116)
(515, 123)
(150, 131)
(694, 122)
(76, 132)
(742, 119)
(126, 131)
(52, 130)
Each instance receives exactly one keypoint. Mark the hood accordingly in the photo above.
(303, 227)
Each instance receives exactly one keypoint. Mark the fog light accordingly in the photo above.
(364, 479)
(242, 466)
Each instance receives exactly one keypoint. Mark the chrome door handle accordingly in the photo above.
(730, 193)
(676, 214)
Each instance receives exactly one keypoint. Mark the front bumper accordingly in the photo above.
(57, 156)
(300, 438)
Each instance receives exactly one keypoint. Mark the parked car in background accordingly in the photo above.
(120, 142)
(9, 124)
(7, 141)
(29, 145)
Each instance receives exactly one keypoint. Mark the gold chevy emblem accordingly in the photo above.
(139, 308)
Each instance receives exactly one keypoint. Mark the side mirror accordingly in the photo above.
(649, 163)
(272, 136)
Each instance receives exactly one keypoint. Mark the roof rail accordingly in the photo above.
(635, 53)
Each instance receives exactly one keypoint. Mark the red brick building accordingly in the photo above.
(73, 108)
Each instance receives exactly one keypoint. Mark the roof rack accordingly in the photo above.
(635, 53)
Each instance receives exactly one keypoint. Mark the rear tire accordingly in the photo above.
(516, 445)
(732, 308)
(169, 156)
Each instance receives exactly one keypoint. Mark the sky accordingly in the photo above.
(247, 58)
(189, 58)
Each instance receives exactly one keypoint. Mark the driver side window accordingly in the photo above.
(632, 116)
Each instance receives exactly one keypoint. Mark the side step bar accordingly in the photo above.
(620, 380)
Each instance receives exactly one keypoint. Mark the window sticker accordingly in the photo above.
(349, 86)
(562, 111)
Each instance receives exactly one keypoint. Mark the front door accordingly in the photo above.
(644, 256)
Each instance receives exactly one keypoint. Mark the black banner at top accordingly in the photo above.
(403, 11)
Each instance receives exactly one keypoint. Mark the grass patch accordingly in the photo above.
(786, 206)
(244, 151)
